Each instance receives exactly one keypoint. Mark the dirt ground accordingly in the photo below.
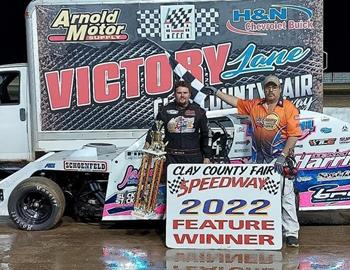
(141, 245)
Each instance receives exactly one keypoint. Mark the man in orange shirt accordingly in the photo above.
(276, 129)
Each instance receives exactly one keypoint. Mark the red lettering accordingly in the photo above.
(59, 88)
(185, 238)
(214, 182)
(83, 86)
(217, 239)
(192, 60)
(132, 78)
(266, 239)
(250, 239)
(158, 75)
(216, 61)
(106, 79)
(204, 183)
(252, 224)
(191, 224)
(183, 188)
(194, 183)
(105, 90)
(208, 224)
(267, 224)
(177, 223)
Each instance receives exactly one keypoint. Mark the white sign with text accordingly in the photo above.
(223, 206)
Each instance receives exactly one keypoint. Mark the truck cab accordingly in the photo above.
(15, 143)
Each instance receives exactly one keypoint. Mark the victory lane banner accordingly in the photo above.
(223, 206)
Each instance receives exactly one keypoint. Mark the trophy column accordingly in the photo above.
(151, 172)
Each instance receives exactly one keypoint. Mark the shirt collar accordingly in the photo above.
(182, 108)
(279, 103)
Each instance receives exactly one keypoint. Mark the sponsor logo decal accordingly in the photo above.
(270, 122)
(326, 130)
(172, 112)
(240, 129)
(99, 26)
(177, 22)
(241, 150)
(260, 21)
(307, 127)
(50, 165)
(339, 175)
(131, 177)
(344, 140)
(91, 166)
(316, 142)
(311, 161)
(246, 142)
(181, 125)
(190, 113)
(304, 178)
(327, 193)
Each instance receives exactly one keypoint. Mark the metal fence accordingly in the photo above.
(336, 77)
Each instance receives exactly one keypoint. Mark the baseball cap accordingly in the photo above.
(271, 79)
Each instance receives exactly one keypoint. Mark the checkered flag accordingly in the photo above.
(178, 17)
(175, 184)
(206, 20)
(271, 186)
(196, 94)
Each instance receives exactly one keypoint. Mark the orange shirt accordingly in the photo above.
(271, 130)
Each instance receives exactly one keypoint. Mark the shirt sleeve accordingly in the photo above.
(293, 123)
(244, 106)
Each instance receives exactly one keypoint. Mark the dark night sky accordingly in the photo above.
(12, 32)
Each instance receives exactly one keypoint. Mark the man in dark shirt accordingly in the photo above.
(186, 129)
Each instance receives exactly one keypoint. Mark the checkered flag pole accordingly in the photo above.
(197, 96)
(271, 186)
(174, 185)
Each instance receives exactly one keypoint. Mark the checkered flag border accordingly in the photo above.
(174, 185)
(150, 26)
(271, 186)
(149, 23)
(207, 22)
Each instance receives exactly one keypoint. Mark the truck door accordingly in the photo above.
(14, 138)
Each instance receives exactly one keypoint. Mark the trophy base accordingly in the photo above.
(140, 213)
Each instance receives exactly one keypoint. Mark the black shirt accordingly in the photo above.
(185, 128)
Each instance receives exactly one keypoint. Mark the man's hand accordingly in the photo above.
(147, 145)
(206, 161)
(279, 163)
(210, 90)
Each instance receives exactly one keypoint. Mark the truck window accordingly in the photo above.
(9, 87)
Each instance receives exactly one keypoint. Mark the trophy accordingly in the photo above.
(147, 188)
